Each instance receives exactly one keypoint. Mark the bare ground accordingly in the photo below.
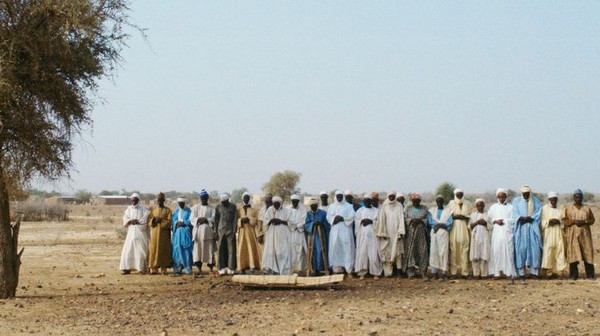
(70, 284)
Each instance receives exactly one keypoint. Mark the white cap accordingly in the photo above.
(552, 194)
(224, 197)
(181, 199)
(277, 199)
(348, 192)
(338, 192)
(135, 195)
(295, 197)
(324, 192)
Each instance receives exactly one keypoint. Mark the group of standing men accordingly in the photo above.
(366, 238)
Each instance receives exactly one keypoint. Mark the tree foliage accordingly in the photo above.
(52, 55)
(82, 196)
(283, 184)
(236, 194)
(446, 189)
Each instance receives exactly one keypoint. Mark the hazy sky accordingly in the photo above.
(357, 95)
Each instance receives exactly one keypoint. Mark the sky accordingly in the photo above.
(359, 95)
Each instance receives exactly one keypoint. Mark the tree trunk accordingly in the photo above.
(10, 260)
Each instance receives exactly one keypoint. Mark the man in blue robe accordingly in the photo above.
(527, 210)
(182, 243)
(317, 228)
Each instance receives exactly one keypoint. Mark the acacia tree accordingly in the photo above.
(283, 184)
(52, 55)
(446, 189)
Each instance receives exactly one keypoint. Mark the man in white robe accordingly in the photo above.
(390, 233)
(203, 221)
(367, 249)
(299, 247)
(341, 238)
(135, 249)
(459, 236)
(553, 256)
(260, 234)
(324, 197)
(479, 253)
(502, 249)
(440, 221)
(277, 254)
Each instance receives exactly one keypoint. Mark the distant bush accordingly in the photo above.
(35, 211)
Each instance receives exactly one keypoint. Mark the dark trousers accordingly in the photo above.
(590, 271)
(227, 253)
(199, 265)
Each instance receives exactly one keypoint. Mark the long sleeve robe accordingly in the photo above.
(182, 243)
(578, 240)
(438, 253)
(390, 230)
(341, 238)
(203, 234)
(553, 256)
(459, 237)
(502, 250)
(480, 237)
(527, 236)
(298, 239)
(277, 254)
(248, 251)
(416, 240)
(318, 240)
(367, 247)
(160, 238)
(135, 249)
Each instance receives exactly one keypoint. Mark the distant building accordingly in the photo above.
(111, 200)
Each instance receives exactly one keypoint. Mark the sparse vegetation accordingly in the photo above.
(35, 211)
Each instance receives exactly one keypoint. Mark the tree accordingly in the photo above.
(83, 196)
(52, 55)
(446, 189)
(283, 184)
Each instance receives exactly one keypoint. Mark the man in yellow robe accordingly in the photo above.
(553, 256)
(248, 251)
(578, 236)
(460, 237)
(159, 222)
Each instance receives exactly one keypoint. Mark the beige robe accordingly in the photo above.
(248, 250)
(160, 238)
(553, 257)
(389, 228)
(578, 240)
(460, 238)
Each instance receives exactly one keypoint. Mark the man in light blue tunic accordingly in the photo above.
(527, 210)
(182, 243)
(317, 227)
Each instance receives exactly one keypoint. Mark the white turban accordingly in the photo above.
(338, 192)
(479, 200)
(400, 195)
(224, 197)
(181, 199)
(525, 188)
(391, 193)
(245, 194)
(313, 201)
(135, 195)
(457, 190)
(323, 193)
(295, 197)
(501, 191)
(552, 194)
(367, 196)
(277, 199)
(348, 192)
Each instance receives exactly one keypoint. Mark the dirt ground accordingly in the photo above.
(70, 284)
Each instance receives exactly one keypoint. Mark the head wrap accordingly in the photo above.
(295, 197)
(348, 192)
(391, 193)
(578, 192)
(415, 196)
(525, 188)
(181, 199)
(323, 193)
(400, 195)
(367, 196)
(479, 200)
(224, 197)
(277, 199)
(160, 196)
(374, 195)
(203, 193)
(501, 191)
(552, 194)
(339, 192)
(457, 190)
(135, 195)
(439, 196)
(245, 194)
(313, 201)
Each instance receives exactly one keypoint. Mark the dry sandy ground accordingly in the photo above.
(70, 284)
